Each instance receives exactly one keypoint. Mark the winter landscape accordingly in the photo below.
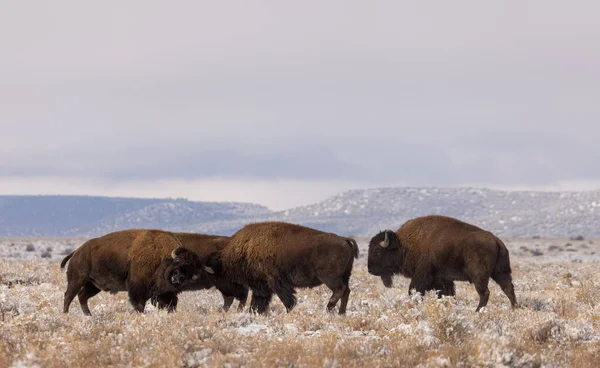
(558, 324)
(346, 117)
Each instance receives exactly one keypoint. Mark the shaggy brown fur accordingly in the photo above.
(205, 246)
(136, 261)
(276, 257)
(434, 251)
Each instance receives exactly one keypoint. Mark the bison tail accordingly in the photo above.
(65, 260)
(354, 246)
(503, 262)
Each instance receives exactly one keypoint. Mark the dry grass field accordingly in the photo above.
(557, 326)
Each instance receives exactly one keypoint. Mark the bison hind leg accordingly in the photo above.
(481, 285)
(86, 292)
(504, 280)
(340, 290)
(344, 301)
(346, 294)
(73, 288)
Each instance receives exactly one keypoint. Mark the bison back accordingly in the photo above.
(263, 250)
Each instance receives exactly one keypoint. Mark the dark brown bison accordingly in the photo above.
(145, 263)
(205, 246)
(276, 257)
(434, 251)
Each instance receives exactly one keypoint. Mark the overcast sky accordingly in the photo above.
(286, 103)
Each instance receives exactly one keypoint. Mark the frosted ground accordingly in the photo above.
(557, 282)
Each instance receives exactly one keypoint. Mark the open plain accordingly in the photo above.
(557, 282)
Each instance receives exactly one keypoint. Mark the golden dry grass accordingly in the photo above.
(558, 325)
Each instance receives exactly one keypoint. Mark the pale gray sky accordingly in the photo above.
(284, 104)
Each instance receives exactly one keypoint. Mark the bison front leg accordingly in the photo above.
(260, 303)
(443, 287)
(242, 297)
(286, 294)
(261, 298)
(138, 296)
(227, 302)
(167, 301)
(230, 292)
(449, 288)
(421, 280)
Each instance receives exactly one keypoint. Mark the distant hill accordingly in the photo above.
(356, 212)
(507, 213)
(91, 216)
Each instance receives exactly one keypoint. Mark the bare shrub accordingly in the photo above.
(542, 333)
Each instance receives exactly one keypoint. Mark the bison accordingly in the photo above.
(145, 263)
(434, 251)
(205, 246)
(277, 257)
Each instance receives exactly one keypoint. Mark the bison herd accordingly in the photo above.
(277, 257)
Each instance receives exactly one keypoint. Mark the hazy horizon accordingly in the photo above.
(283, 203)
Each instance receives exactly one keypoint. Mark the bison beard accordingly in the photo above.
(277, 257)
(435, 251)
(205, 246)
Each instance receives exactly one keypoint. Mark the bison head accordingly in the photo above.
(186, 269)
(383, 256)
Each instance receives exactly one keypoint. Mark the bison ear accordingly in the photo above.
(386, 241)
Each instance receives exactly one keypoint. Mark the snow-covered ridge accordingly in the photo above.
(514, 213)
(357, 212)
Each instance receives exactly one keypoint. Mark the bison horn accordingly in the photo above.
(209, 270)
(173, 254)
(386, 241)
(195, 277)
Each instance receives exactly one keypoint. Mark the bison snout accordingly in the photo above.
(176, 277)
